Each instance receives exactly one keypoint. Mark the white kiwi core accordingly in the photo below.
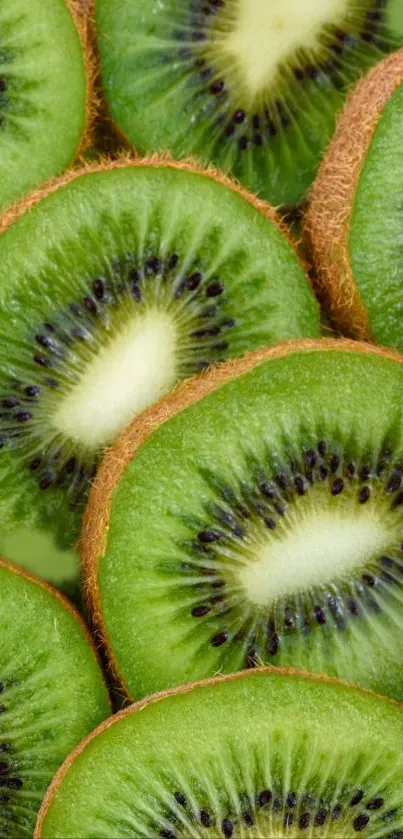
(267, 33)
(313, 549)
(133, 370)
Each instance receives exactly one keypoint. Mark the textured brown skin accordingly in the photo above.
(327, 222)
(96, 519)
(189, 688)
(21, 572)
(80, 18)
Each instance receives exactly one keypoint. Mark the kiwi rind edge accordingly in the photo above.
(67, 605)
(81, 23)
(183, 689)
(165, 160)
(332, 196)
(96, 518)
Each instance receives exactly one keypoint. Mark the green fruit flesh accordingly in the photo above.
(36, 551)
(51, 695)
(376, 230)
(268, 755)
(43, 92)
(114, 287)
(264, 524)
(250, 86)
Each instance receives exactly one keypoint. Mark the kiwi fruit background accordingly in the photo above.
(295, 450)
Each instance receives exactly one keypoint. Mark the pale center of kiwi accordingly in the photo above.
(315, 549)
(265, 34)
(133, 370)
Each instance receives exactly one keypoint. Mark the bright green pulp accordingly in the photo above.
(43, 108)
(52, 695)
(200, 471)
(160, 96)
(220, 747)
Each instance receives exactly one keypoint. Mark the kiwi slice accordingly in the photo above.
(251, 85)
(121, 280)
(266, 754)
(354, 222)
(52, 693)
(255, 516)
(44, 92)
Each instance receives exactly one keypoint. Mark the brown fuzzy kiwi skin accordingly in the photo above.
(332, 196)
(96, 518)
(21, 572)
(81, 22)
(183, 689)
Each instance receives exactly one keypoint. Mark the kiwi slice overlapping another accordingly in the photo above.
(52, 693)
(255, 517)
(355, 218)
(263, 754)
(118, 282)
(44, 92)
(252, 85)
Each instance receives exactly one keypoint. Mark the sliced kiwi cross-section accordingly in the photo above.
(117, 283)
(256, 516)
(264, 754)
(52, 693)
(252, 85)
(354, 222)
(44, 92)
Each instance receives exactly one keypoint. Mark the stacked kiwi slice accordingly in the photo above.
(171, 420)
(354, 221)
(52, 693)
(122, 279)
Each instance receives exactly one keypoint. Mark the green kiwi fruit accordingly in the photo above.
(45, 96)
(252, 85)
(354, 222)
(119, 281)
(52, 693)
(264, 754)
(255, 516)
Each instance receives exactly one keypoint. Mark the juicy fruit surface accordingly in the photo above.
(43, 90)
(244, 83)
(376, 227)
(263, 524)
(115, 286)
(265, 755)
(51, 695)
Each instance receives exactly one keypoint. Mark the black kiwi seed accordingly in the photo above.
(375, 804)
(205, 818)
(360, 822)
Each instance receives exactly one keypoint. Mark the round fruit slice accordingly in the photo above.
(355, 218)
(52, 693)
(256, 516)
(117, 283)
(266, 754)
(248, 84)
(43, 92)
